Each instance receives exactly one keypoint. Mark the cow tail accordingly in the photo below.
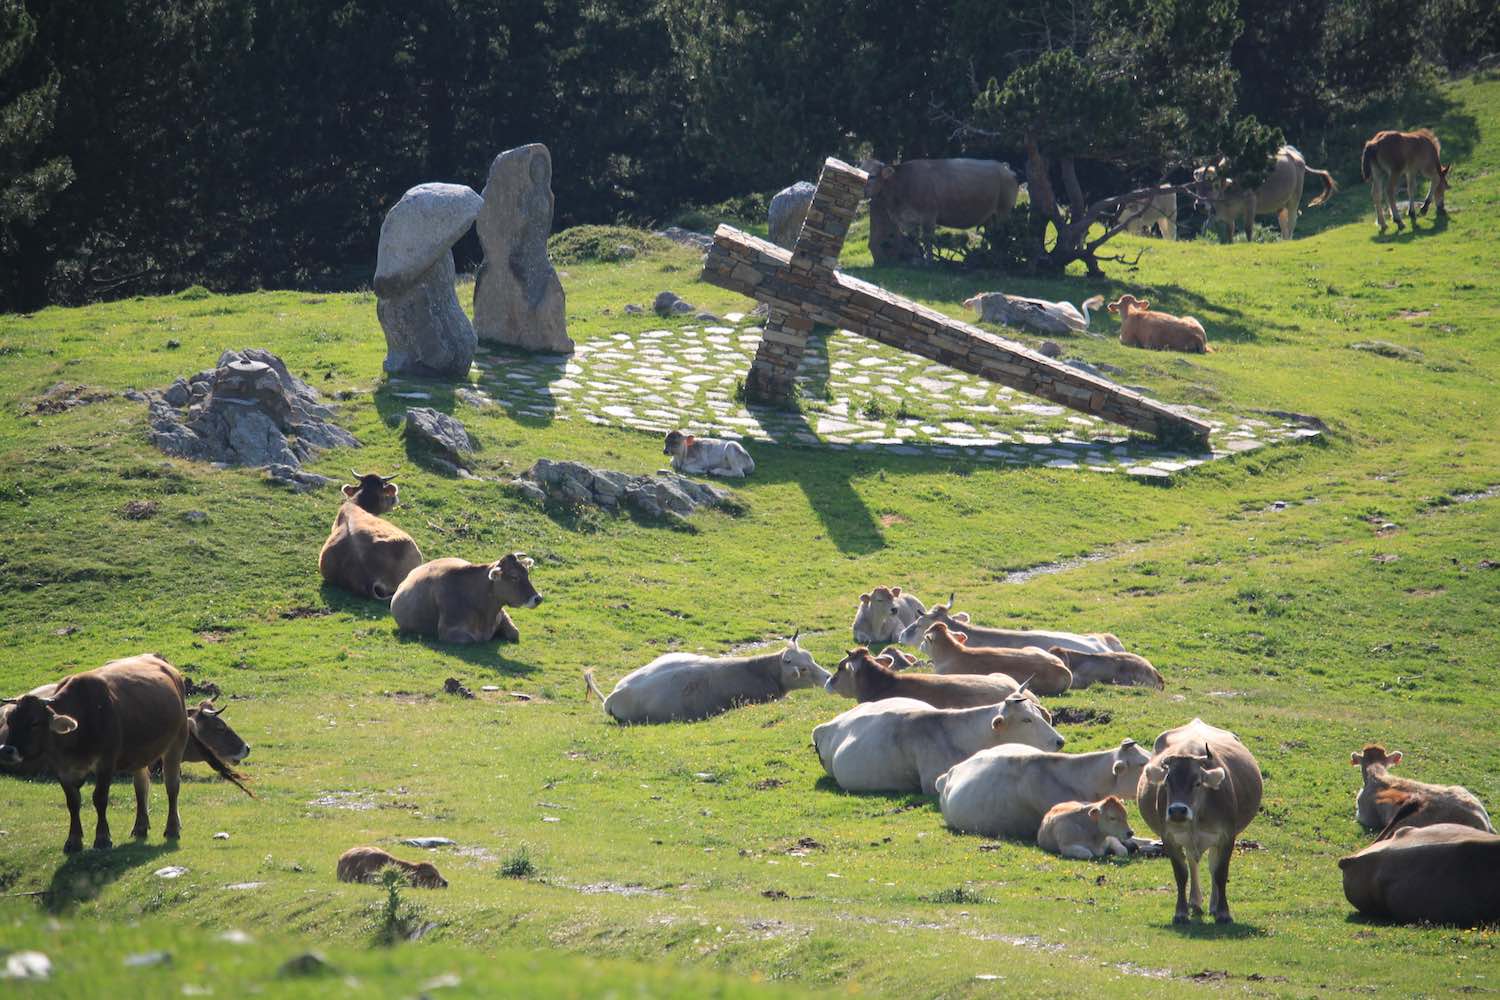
(590, 688)
(224, 770)
(1367, 161)
(1407, 810)
(1330, 187)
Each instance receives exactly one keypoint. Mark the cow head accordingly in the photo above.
(935, 615)
(1021, 720)
(1440, 185)
(27, 731)
(1109, 815)
(1374, 755)
(877, 619)
(373, 492)
(798, 669)
(880, 176)
(209, 725)
(941, 637)
(844, 680)
(678, 443)
(1125, 303)
(1187, 779)
(424, 875)
(1130, 760)
(510, 581)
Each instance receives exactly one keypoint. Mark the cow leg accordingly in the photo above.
(74, 843)
(1219, 901)
(1180, 872)
(101, 806)
(171, 772)
(1391, 180)
(1375, 197)
(1287, 221)
(505, 629)
(1078, 852)
(1195, 897)
(142, 791)
(1113, 846)
(447, 632)
(1411, 196)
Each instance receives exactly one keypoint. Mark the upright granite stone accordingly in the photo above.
(426, 331)
(518, 299)
(788, 209)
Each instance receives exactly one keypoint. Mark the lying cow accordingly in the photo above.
(1096, 642)
(695, 456)
(459, 601)
(1125, 669)
(1280, 194)
(1140, 326)
(685, 687)
(1087, 830)
(902, 745)
(952, 654)
(1146, 218)
(912, 199)
(1006, 791)
(1383, 795)
(883, 613)
(364, 864)
(365, 554)
(871, 678)
(1448, 873)
(124, 716)
(1201, 788)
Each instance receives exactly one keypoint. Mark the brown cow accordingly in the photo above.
(366, 554)
(1445, 874)
(951, 654)
(364, 864)
(870, 678)
(1200, 790)
(459, 601)
(1108, 668)
(124, 716)
(915, 197)
(1391, 155)
(1382, 796)
(1158, 331)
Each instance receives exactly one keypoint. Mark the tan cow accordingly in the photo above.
(1383, 795)
(1158, 331)
(1200, 790)
(883, 613)
(1009, 638)
(951, 654)
(1443, 874)
(1391, 155)
(1145, 218)
(459, 601)
(1108, 668)
(870, 678)
(365, 554)
(1087, 830)
(1280, 194)
(364, 864)
(912, 199)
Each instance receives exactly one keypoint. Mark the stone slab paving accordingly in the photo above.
(858, 395)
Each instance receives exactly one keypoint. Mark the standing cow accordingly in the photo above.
(365, 554)
(912, 199)
(459, 601)
(1280, 194)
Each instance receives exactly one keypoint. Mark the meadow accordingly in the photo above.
(1310, 597)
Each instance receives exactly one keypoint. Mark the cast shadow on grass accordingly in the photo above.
(1411, 231)
(848, 522)
(528, 403)
(482, 655)
(900, 801)
(83, 876)
(1205, 929)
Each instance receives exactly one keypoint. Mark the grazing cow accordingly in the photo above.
(1280, 194)
(1382, 796)
(883, 613)
(364, 864)
(1200, 790)
(912, 199)
(1098, 642)
(1158, 331)
(460, 601)
(902, 745)
(787, 211)
(1007, 791)
(951, 654)
(1159, 214)
(695, 456)
(1443, 874)
(366, 554)
(1391, 155)
(124, 716)
(871, 678)
(685, 687)
(1087, 830)
(1108, 668)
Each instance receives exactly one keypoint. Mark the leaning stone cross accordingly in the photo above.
(804, 287)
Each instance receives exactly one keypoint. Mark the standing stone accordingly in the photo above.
(518, 299)
(426, 331)
(788, 209)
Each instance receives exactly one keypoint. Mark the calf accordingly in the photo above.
(991, 638)
(883, 613)
(364, 864)
(1006, 791)
(695, 456)
(1157, 331)
(366, 554)
(1108, 668)
(459, 601)
(870, 678)
(1448, 873)
(951, 654)
(124, 716)
(1087, 830)
(1383, 796)
(1201, 788)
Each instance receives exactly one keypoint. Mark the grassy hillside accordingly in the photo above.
(1310, 597)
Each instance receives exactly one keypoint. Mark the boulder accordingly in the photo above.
(518, 298)
(663, 495)
(670, 304)
(426, 331)
(686, 237)
(444, 435)
(788, 209)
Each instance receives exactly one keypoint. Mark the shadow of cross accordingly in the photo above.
(803, 288)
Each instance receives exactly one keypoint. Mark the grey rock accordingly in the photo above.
(474, 398)
(297, 479)
(669, 304)
(788, 210)
(147, 959)
(707, 317)
(634, 310)
(518, 297)
(664, 495)
(178, 393)
(309, 963)
(531, 491)
(432, 841)
(135, 395)
(1051, 349)
(686, 237)
(624, 252)
(445, 435)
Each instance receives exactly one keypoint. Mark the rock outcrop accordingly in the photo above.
(788, 209)
(660, 496)
(445, 437)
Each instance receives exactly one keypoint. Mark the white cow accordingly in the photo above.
(1160, 214)
(902, 745)
(883, 613)
(1005, 791)
(683, 687)
(1005, 638)
(695, 456)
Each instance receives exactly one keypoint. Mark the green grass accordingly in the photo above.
(1307, 629)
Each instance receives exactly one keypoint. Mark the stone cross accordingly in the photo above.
(804, 287)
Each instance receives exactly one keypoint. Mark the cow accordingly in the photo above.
(459, 601)
(1448, 873)
(365, 554)
(364, 864)
(952, 654)
(1280, 194)
(1100, 642)
(1383, 795)
(1087, 830)
(695, 456)
(686, 687)
(1140, 326)
(1108, 668)
(1390, 155)
(911, 199)
(1201, 788)
(1143, 218)
(871, 678)
(902, 745)
(787, 210)
(123, 716)
(1006, 791)
(883, 613)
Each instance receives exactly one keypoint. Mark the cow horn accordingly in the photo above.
(393, 475)
(796, 634)
(356, 474)
(1025, 684)
(1207, 753)
(10, 701)
(951, 596)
